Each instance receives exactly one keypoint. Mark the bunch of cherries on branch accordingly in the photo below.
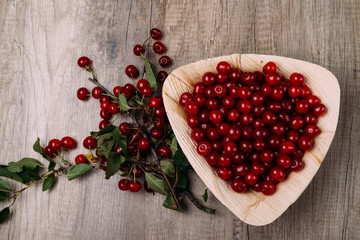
(147, 134)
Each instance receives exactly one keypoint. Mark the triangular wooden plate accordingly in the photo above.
(252, 207)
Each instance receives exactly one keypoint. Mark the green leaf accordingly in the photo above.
(157, 184)
(123, 104)
(105, 130)
(120, 140)
(150, 74)
(39, 149)
(205, 195)
(170, 203)
(105, 144)
(113, 164)
(6, 173)
(174, 146)
(48, 182)
(4, 187)
(28, 175)
(29, 163)
(51, 166)
(4, 214)
(93, 134)
(180, 161)
(3, 196)
(168, 168)
(78, 170)
(182, 181)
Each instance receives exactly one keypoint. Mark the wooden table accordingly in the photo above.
(40, 42)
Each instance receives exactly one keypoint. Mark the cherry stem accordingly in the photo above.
(198, 204)
(96, 82)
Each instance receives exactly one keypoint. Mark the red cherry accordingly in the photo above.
(247, 78)
(294, 91)
(235, 75)
(297, 79)
(184, 98)
(241, 169)
(142, 83)
(83, 94)
(158, 122)
(251, 178)
(159, 47)
(216, 117)
(154, 102)
(224, 173)
(287, 147)
(209, 79)
(155, 33)
(283, 161)
(212, 159)
(68, 142)
(96, 92)
(104, 105)
(134, 186)
(161, 76)
(55, 145)
(258, 168)
(84, 62)
(156, 133)
(238, 185)
(80, 159)
(277, 173)
(204, 148)
(165, 61)
(302, 106)
(131, 71)
(48, 151)
(89, 142)
(199, 88)
(312, 130)
(123, 185)
(164, 152)
(223, 67)
(305, 143)
(113, 108)
(124, 128)
(159, 112)
(143, 144)
(267, 188)
(273, 79)
(138, 50)
(269, 68)
(116, 90)
(296, 165)
(147, 91)
(192, 108)
(318, 109)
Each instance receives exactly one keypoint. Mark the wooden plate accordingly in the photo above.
(252, 207)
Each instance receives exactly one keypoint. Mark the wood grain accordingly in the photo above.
(40, 42)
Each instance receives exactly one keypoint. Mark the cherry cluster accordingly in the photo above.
(140, 137)
(54, 146)
(253, 127)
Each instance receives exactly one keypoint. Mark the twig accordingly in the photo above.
(198, 204)
(96, 82)
(172, 191)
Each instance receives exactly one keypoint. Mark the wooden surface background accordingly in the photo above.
(40, 42)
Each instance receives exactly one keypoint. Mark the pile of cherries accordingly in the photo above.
(154, 117)
(253, 127)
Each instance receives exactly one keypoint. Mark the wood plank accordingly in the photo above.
(40, 42)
